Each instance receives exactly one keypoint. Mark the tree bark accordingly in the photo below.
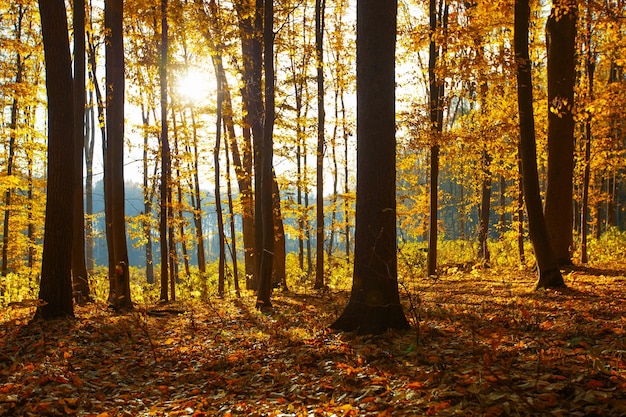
(436, 120)
(485, 209)
(561, 44)
(321, 116)
(251, 28)
(264, 193)
(165, 189)
(19, 71)
(218, 197)
(374, 304)
(549, 273)
(56, 280)
(114, 161)
(79, 266)
(590, 66)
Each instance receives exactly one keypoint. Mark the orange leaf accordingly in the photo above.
(595, 384)
(415, 385)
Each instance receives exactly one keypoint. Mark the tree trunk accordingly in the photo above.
(56, 279)
(264, 193)
(165, 161)
(148, 199)
(436, 125)
(520, 209)
(374, 304)
(485, 209)
(19, 73)
(231, 211)
(279, 275)
(321, 116)
(549, 273)
(114, 163)
(89, 155)
(561, 43)
(79, 267)
(251, 27)
(218, 196)
(590, 66)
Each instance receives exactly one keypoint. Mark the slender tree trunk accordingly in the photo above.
(549, 273)
(165, 189)
(279, 275)
(231, 211)
(346, 184)
(436, 120)
(56, 279)
(584, 215)
(218, 196)
(485, 208)
(180, 219)
(321, 116)
(79, 267)
(196, 203)
(148, 197)
(19, 71)
(520, 208)
(335, 194)
(89, 155)
(264, 192)
(242, 164)
(502, 223)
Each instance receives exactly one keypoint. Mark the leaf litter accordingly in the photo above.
(485, 345)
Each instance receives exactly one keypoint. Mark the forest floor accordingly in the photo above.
(486, 344)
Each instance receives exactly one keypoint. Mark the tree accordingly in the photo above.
(250, 16)
(374, 304)
(549, 273)
(114, 160)
(56, 280)
(19, 74)
(79, 266)
(590, 67)
(319, 49)
(436, 91)
(165, 195)
(218, 196)
(561, 43)
(264, 189)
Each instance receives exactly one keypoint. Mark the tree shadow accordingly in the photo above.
(596, 271)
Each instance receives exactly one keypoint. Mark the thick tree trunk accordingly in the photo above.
(114, 163)
(56, 280)
(561, 43)
(549, 273)
(251, 27)
(374, 304)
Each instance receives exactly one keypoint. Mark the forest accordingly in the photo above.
(312, 208)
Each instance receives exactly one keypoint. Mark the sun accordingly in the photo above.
(193, 86)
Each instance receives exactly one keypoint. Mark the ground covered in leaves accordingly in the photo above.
(483, 343)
